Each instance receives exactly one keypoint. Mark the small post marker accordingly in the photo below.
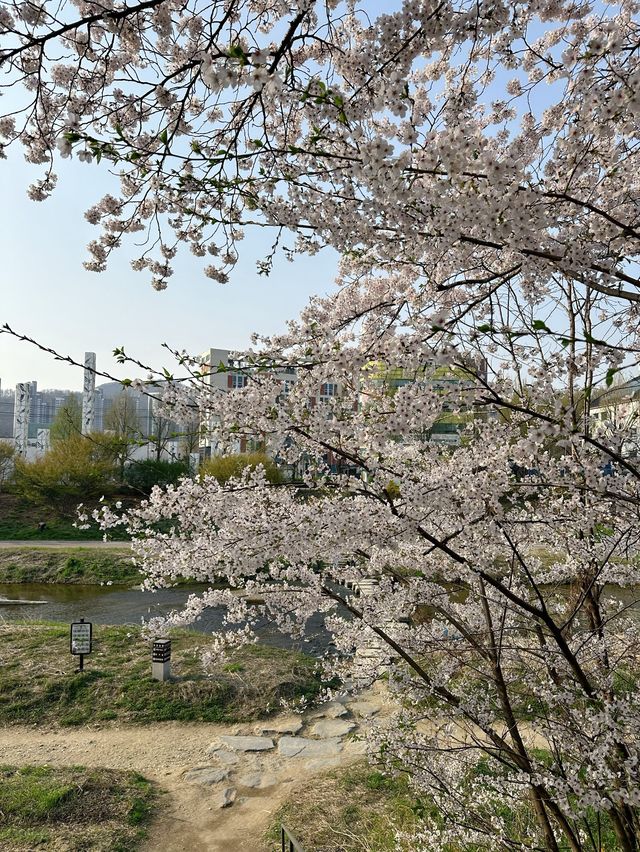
(80, 640)
(161, 659)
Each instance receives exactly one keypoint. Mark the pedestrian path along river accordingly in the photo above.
(222, 783)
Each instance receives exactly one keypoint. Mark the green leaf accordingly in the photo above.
(236, 52)
(164, 136)
(610, 374)
(594, 340)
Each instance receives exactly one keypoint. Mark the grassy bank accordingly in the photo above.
(348, 811)
(72, 808)
(67, 565)
(19, 521)
(38, 683)
(359, 808)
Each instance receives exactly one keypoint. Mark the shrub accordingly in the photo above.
(7, 456)
(142, 476)
(72, 471)
(223, 468)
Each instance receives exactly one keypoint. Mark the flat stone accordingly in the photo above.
(257, 780)
(331, 710)
(304, 747)
(247, 743)
(281, 726)
(327, 728)
(227, 797)
(356, 747)
(206, 775)
(365, 709)
(226, 758)
(319, 763)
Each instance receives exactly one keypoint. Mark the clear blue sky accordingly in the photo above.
(46, 293)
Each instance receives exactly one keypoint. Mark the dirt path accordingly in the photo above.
(190, 818)
(73, 543)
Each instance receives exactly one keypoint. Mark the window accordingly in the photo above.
(286, 386)
(236, 380)
(327, 390)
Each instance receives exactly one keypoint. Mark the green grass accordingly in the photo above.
(348, 811)
(67, 565)
(19, 522)
(73, 808)
(38, 684)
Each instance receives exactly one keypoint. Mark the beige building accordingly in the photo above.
(226, 375)
(618, 409)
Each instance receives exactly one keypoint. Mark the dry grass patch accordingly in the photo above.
(76, 565)
(38, 683)
(354, 810)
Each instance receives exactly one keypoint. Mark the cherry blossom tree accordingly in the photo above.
(475, 165)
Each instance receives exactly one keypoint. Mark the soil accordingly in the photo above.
(189, 817)
(66, 544)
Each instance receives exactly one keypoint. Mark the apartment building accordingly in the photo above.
(617, 410)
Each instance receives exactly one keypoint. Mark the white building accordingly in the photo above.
(226, 375)
(616, 411)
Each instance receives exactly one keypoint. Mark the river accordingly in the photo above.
(120, 605)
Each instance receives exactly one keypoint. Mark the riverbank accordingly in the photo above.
(60, 564)
(21, 521)
(39, 685)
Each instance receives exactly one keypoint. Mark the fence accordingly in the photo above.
(289, 842)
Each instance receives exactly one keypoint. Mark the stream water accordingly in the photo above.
(118, 605)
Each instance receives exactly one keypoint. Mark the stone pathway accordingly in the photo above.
(246, 769)
(221, 784)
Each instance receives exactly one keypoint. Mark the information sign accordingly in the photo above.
(81, 637)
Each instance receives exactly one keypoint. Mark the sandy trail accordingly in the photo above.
(72, 544)
(189, 817)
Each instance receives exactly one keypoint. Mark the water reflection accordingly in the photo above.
(118, 605)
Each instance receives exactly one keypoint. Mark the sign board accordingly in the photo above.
(81, 637)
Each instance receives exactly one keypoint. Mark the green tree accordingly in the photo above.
(74, 470)
(142, 476)
(7, 453)
(68, 420)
